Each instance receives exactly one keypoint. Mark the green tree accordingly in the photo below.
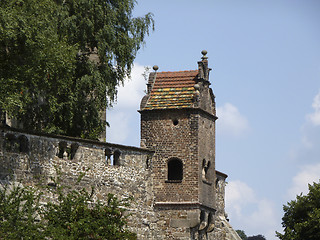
(61, 60)
(242, 234)
(301, 218)
(256, 237)
(74, 214)
(19, 210)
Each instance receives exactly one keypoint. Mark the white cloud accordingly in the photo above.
(130, 95)
(231, 121)
(315, 116)
(308, 154)
(123, 117)
(308, 151)
(238, 194)
(249, 213)
(307, 175)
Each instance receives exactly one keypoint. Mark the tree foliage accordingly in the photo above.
(18, 212)
(256, 237)
(301, 218)
(242, 234)
(61, 60)
(74, 215)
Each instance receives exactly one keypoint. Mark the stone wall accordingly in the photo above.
(25, 156)
(172, 134)
(206, 129)
(110, 168)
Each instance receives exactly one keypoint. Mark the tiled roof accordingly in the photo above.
(172, 90)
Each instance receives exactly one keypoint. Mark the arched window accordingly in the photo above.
(108, 153)
(175, 169)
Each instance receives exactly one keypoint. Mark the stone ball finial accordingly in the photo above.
(204, 53)
(155, 67)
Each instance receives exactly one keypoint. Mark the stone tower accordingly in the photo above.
(178, 122)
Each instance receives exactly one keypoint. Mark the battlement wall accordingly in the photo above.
(109, 168)
(39, 149)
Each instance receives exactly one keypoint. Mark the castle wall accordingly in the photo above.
(27, 157)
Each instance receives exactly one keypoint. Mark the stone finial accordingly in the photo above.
(204, 53)
(203, 67)
(155, 67)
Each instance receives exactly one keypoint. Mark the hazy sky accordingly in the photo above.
(265, 57)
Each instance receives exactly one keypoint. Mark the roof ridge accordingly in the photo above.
(183, 71)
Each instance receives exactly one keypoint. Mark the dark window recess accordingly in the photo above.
(108, 153)
(175, 169)
(23, 144)
(17, 145)
(175, 122)
(74, 148)
(62, 148)
(116, 158)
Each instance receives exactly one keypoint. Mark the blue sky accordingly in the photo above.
(265, 57)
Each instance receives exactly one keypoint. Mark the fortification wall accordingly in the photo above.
(109, 168)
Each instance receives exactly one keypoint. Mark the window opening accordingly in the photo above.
(63, 150)
(23, 144)
(175, 122)
(108, 153)
(175, 170)
(116, 158)
(74, 148)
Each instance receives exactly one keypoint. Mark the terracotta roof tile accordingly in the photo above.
(172, 90)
